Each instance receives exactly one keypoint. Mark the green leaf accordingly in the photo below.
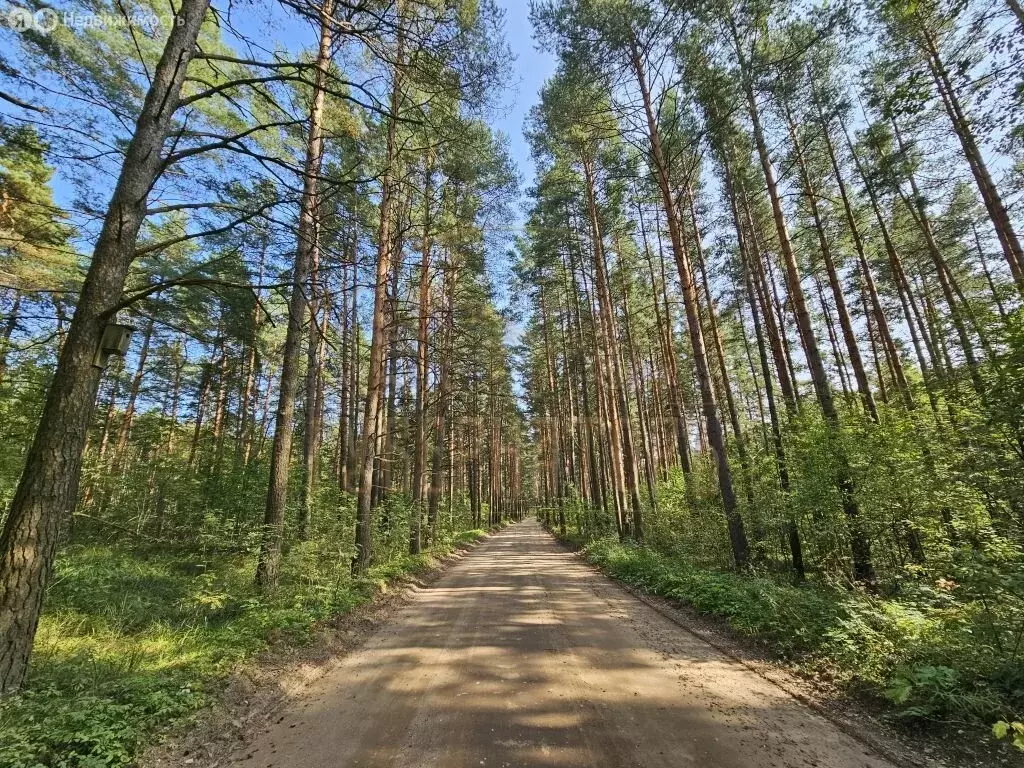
(899, 690)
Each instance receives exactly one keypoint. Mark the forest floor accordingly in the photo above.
(139, 643)
(520, 654)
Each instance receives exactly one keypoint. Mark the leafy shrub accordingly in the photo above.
(1014, 731)
(941, 653)
(132, 641)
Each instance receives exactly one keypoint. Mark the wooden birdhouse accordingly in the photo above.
(115, 340)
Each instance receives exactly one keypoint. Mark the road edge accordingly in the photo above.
(887, 746)
(259, 688)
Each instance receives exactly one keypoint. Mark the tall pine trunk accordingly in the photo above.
(994, 205)
(860, 546)
(269, 563)
(715, 434)
(422, 350)
(48, 488)
(372, 413)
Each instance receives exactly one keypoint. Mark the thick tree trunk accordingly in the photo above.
(48, 487)
(1018, 11)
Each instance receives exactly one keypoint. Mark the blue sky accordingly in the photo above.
(532, 67)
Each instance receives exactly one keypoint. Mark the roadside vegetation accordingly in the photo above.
(252, 359)
(774, 354)
(267, 336)
(137, 638)
(943, 652)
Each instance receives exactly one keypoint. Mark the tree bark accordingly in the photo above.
(48, 487)
(269, 563)
(9, 326)
(619, 406)
(422, 350)
(133, 392)
(372, 422)
(994, 205)
(863, 569)
(716, 437)
(876, 309)
(441, 426)
(918, 211)
(842, 311)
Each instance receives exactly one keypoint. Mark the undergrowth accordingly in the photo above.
(132, 641)
(936, 653)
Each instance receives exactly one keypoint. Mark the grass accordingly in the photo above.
(932, 654)
(132, 641)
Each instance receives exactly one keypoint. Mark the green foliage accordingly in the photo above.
(933, 652)
(34, 250)
(1014, 731)
(133, 640)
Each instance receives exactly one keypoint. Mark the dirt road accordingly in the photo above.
(520, 655)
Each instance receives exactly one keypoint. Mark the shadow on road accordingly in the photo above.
(522, 656)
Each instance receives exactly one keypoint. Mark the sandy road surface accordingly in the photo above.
(523, 656)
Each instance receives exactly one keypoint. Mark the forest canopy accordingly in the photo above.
(278, 323)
